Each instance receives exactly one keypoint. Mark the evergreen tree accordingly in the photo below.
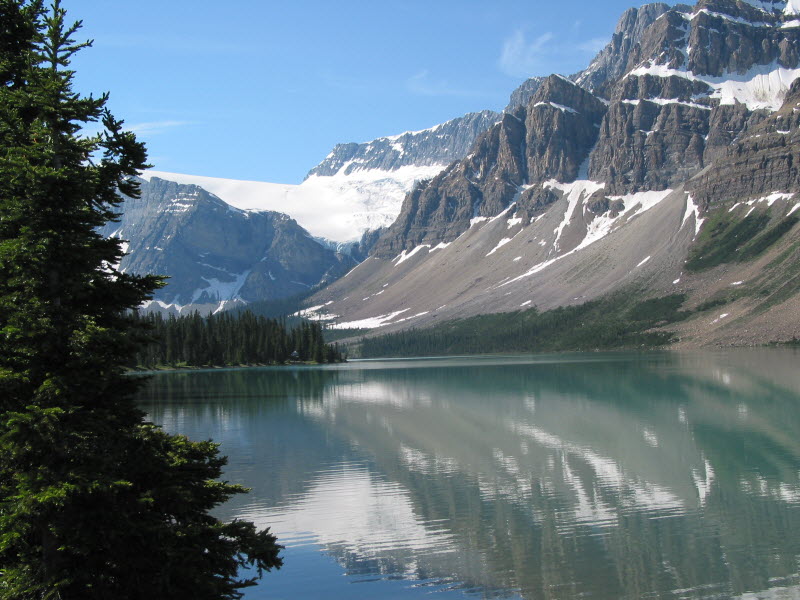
(94, 502)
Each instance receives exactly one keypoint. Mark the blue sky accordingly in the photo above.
(262, 90)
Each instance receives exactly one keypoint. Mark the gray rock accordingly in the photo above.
(612, 61)
(550, 139)
(438, 145)
(523, 94)
(214, 253)
(764, 159)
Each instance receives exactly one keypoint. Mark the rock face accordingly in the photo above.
(765, 159)
(612, 62)
(689, 116)
(550, 139)
(668, 96)
(439, 145)
(523, 94)
(215, 254)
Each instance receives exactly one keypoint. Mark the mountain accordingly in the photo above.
(222, 242)
(357, 188)
(217, 255)
(669, 166)
(437, 146)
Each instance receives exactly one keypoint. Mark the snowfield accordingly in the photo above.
(339, 208)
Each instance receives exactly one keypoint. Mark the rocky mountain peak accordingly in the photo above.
(612, 62)
(523, 94)
(439, 145)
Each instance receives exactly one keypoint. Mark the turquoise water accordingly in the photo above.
(658, 475)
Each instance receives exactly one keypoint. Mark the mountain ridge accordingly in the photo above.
(699, 122)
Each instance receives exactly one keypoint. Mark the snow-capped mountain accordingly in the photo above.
(679, 143)
(339, 207)
(224, 241)
(437, 146)
(357, 187)
(214, 254)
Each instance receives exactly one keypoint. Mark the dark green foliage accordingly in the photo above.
(766, 239)
(94, 502)
(601, 324)
(713, 303)
(727, 239)
(659, 310)
(229, 339)
(722, 237)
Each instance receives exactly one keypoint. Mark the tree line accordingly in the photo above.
(608, 323)
(230, 339)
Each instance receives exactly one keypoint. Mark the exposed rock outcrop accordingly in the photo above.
(439, 145)
(213, 253)
(612, 62)
(764, 161)
(550, 139)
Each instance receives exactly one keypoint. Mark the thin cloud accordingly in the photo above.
(593, 46)
(521, 57)
(423, 84)
(155, 127)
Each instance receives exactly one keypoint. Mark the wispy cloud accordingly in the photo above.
(423, 84)
(526, 56)
(155, 127)
(521, 57)
(593, 46)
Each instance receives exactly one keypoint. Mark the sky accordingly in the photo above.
(262, 90)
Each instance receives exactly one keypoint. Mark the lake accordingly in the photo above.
(651, 475)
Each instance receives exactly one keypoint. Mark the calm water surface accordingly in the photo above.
(593, 475)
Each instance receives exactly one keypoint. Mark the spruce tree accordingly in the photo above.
(94, 502)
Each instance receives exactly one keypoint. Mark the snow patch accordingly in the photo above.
(218, 290)
(693, 209)
(369, 323)
(404, 256)
(643, 262)
(500, 244)
(560, 107)
(575, 192)
(316, 313)
(762, 87)
(665, 102)
(411, 317)
(514, 221)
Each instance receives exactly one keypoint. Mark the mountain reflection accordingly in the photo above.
(673, 475)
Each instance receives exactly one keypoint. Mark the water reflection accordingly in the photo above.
(615, 476)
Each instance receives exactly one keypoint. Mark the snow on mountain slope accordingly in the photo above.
(506, 263)
(339, 208)
(787, 7)
(761, 87)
